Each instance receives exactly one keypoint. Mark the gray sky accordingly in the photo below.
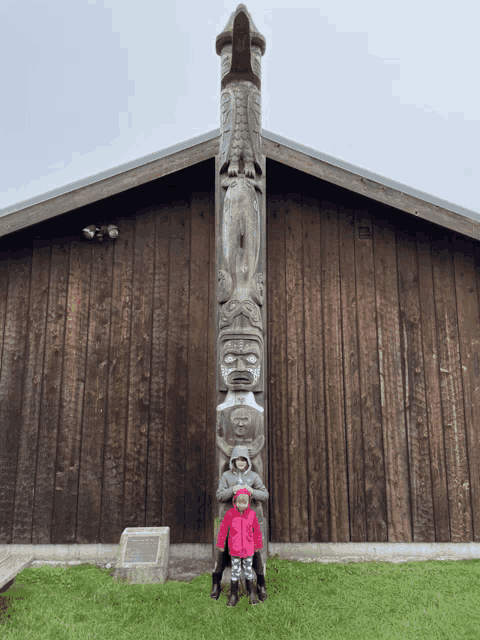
(391, 87)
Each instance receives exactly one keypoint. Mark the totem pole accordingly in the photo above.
(240, 232)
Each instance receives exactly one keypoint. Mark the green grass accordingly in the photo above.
(435, 599)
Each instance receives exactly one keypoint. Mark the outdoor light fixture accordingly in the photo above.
(92, 230)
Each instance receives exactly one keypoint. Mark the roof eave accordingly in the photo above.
(278, 148)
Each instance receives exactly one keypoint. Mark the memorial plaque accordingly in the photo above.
(141, 549)
(143, 555)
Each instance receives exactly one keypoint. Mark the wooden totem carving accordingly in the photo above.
(240, 260)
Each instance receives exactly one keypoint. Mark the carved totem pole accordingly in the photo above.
(240, 234)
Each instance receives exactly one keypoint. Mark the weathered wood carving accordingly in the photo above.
(240, 263)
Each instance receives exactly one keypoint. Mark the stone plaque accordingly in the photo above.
(141, 549)
(143, 555)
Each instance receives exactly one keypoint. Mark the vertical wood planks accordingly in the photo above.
(33, 370)
(317, 464)
(198, 320)
(353, 402)
(4, 271)
(297, 445)
(451, 390)
(432, 386)
(277, 365)
(373, 453)
(49, 414)
(139, 369)
(177, 372)
(469, 338)
(12, 381)
(156, 432)
(391, 382)
(113, 505)
(96, 394)
(334, 390)
(73, 385)
(415, 392)
(211, 474)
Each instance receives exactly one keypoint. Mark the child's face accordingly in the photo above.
(242, 502)
(241, 464)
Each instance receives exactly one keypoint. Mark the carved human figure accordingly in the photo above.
(241, 425)
(241, 363)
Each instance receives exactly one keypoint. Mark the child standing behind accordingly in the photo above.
(245, 537)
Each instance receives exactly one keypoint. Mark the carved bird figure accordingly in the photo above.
(240, 129)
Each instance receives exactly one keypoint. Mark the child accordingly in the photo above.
(245, 537)
(240, 476)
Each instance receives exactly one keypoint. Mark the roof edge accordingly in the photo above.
(276, 147)
(371, 175)
(372, 185)
(108, 173)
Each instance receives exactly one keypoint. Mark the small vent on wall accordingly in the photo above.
(364, 232)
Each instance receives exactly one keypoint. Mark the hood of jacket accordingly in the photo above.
(240, 451)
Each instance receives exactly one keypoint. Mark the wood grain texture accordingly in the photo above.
(373, 454)
(351, 367)
(211, 473)
(4, 271)
(113, 521)
(415, 393)
(31, 398)
(197, 361)
(156, 432)
(453, 414)
(280, 478)
(177, 371)
(49, 416)
(391, 382)
(432, 386)
(334, 388)
(12, 382)
(317, 467)
(295, 333)
(139, 369)
(73, 387)
(469, 339)
(96, 396)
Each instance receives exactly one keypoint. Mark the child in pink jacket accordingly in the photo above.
(244, 538)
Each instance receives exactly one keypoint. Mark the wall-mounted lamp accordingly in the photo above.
(92, 230)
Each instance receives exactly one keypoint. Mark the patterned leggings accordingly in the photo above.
(237, 567)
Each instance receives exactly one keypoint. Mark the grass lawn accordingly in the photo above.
(435, 599)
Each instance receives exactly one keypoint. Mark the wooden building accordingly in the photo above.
(107, 351)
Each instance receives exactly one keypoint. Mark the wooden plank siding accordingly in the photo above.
(103, 387)
(107, 379)
(374, 322)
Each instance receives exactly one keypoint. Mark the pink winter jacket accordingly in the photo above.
(245, 536)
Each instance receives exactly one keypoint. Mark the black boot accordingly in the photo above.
(262, 592)
(216, 580)
(233, 593)
(252, 596)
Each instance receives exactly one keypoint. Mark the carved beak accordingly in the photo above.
(241, 66)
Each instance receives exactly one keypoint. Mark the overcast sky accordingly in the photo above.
(392, 87)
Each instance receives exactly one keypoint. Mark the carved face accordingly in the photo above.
(241, 464)
(240, 364)
(241, 420)
(242, 502)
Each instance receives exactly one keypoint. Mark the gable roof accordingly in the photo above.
(155, 165)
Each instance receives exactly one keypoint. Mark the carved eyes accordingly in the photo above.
(251, 358)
